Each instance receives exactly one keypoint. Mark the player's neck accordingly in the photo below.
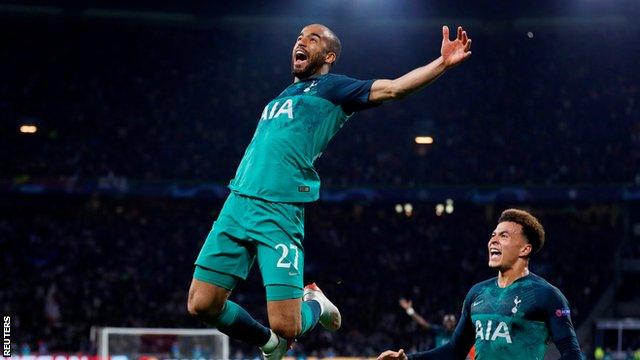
(509, 276)
(323, 70)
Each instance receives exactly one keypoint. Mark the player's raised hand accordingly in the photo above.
(393, 355)
(456, 51)
(406, 304)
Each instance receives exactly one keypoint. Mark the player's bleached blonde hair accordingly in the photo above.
(531, 227)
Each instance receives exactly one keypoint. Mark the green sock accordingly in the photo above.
(238, 324)
(310, 315)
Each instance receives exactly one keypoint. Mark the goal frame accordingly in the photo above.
(101, 336)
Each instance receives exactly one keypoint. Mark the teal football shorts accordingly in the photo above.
(249, 228)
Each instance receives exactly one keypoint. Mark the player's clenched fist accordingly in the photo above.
(393, 355)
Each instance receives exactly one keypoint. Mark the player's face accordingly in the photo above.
(506, 245)
(449, 322)
(308, 52)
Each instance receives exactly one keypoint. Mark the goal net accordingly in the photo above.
(159, 344)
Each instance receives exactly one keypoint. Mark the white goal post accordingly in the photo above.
(122, 343)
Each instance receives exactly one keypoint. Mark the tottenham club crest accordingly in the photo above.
(517, 302)
(313, 83)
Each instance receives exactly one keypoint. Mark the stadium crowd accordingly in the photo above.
(158, 103)
(74, 263)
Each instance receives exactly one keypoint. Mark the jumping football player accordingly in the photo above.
(263, 217)
(514, 315)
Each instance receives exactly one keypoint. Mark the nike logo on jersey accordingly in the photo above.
(476, 303)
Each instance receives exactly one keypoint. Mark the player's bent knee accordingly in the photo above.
(197, 307)
(289, 327)
(206, 300)
(287, 330)
(285, 317)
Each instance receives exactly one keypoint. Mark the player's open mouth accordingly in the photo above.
(300, 57)
(494, 254)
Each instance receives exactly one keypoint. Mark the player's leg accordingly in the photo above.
(279, 230)
(330, 317)
(206, 301)
(294, 317)
(209, 303)
(285, 317)
(224, 260)
(291, 318)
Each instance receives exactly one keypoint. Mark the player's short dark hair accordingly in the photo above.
(531, 227)
(333, 44)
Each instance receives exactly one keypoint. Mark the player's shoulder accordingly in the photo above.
(333, 76)
(545, 288)
(539, 282)
(482, 285)
(352, 94)
(478, 289)
(485, 283)
(334, 79)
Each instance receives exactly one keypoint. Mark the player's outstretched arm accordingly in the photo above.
(452, 53)
(407, 305)
(456, 349)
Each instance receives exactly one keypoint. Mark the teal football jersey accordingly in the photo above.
(512, 323)
(293, 131)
